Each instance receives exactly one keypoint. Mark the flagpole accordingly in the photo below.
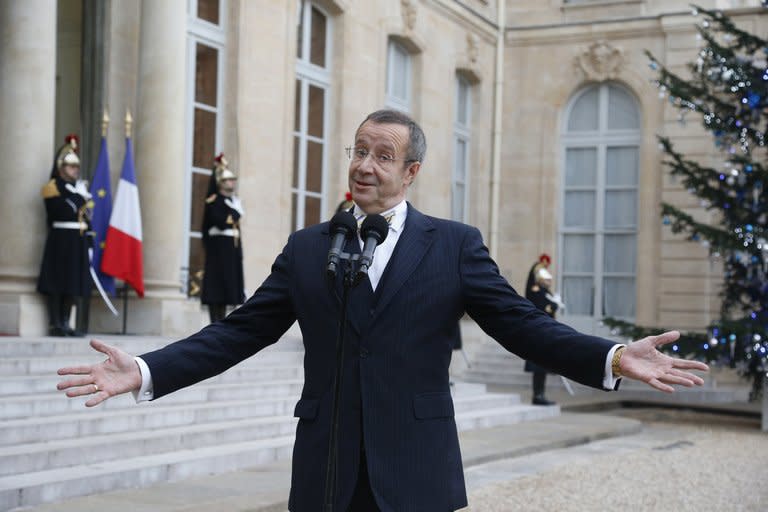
(125, 306)
(128, 123)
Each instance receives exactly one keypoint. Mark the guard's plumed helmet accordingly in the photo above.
(67, 155)
(221, 169)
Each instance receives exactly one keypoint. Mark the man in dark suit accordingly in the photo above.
(398, 439)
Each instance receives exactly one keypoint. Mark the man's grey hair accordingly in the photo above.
(417, 142)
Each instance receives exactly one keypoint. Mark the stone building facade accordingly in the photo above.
(540, 119)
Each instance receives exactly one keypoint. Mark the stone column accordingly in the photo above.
(27, 100)
(159, 131)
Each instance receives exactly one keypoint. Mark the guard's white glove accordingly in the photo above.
(234, 203)
(555, 297)
(81, 187)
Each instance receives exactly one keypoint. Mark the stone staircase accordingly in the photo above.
(53, 448)
(491, 364)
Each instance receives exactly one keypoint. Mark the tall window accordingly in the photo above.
(206, 39)
(310, 134)
(461, 144)
(598, 229)
(398, 94)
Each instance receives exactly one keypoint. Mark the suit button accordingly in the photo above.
(372, 311)
(364, 352)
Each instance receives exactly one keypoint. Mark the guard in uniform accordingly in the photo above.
(64, 272)
(223, 282)
(538, 289)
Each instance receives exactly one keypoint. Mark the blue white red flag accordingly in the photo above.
(122, 256)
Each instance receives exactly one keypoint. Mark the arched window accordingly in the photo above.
(598, 227)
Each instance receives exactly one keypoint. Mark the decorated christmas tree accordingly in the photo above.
(726, 87)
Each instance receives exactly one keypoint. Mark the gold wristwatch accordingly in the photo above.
(615, 367)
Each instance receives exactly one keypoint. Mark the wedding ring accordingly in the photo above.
(95, 388)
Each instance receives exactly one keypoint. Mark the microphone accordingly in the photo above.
(343, 226)
(373, 231)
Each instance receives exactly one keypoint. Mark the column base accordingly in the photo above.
(25, 314)
(173, 317)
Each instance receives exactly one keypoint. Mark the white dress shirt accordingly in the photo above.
(383, 251)
(381, 257)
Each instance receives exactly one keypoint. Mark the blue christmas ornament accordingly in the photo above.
(748, 168)
(666, 221)
(753, 100)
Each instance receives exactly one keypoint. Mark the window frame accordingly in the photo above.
(394, 48)
(309, 74)
(200, 31)
(462, 132)
(601, 140)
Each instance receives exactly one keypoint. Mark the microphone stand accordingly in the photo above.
(331, 472)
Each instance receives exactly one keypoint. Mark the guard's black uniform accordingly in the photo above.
(64, 272)
(223, 282)
(538, 294)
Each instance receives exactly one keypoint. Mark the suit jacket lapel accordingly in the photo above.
(414, 241)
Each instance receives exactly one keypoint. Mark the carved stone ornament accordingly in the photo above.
(472, 47)
(601, 61)
(408, 12)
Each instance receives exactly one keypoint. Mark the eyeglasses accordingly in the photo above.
(359, 154)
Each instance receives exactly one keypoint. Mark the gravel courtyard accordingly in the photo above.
(681, 461)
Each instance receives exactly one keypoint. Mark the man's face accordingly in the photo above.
(227, 187)
(70, 172)
(379, 176)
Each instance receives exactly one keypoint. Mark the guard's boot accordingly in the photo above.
(539, 384)
(217, 312)
(66, 310)
(54, 316)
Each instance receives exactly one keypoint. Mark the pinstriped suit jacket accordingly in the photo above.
(395, 402)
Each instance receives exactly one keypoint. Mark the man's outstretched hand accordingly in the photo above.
(118, 374)
(642, 361)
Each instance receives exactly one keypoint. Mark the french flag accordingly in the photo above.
(122, 256)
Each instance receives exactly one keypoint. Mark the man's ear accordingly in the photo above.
(412, 171)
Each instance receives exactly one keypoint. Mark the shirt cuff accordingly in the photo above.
(609, 381)
(145, 392)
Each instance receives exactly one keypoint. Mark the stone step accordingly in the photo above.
(12, 347)
(47, 404)
(16, 385)
(94, 448)
(485, 418)
(97, 448)
(493, 377)
(84, 422)
(46, 365)
(164, 413)
(92, 475)
(52, 447)
(29, 489)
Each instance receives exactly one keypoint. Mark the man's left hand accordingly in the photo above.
(642, 361)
